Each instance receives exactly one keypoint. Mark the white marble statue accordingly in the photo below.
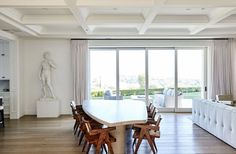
(46, 68)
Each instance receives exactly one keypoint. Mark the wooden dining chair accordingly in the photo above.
(93, 123)
(149, 107)
(98, 137)
(78, 113)
(152, 113)
(148, 131)
(75, 117)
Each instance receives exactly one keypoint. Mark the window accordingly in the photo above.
(172, 76)
(102, 72)
(132, 73)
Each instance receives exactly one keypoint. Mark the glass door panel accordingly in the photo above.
(161, 64)
(132, 74)
(190, 76)
(103, 74)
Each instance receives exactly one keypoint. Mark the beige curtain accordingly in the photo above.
(233, 63)
(221, 68)
(79, 56)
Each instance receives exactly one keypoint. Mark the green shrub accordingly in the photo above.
(129, 92)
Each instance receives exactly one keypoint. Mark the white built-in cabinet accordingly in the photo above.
(6, 102)
(4, 60)
(4, 75)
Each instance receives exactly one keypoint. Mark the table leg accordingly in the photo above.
(119, 145)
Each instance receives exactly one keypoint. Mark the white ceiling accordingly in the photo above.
(119, 19)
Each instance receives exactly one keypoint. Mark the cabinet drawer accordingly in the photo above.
(5, 94)
(7, 110)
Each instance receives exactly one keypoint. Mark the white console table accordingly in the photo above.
(217, 118)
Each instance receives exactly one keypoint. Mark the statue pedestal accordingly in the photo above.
(48, 108)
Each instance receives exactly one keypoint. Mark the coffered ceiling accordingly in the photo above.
(118, 18)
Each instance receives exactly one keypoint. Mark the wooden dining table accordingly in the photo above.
(117, 113)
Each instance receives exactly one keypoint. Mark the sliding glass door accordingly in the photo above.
(190, 76)
(132, 74)
(169, 77)
(161, 73)
(103, 74)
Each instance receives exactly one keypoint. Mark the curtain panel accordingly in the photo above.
(221, 68)
(79, 57)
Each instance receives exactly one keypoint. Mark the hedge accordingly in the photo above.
(129, 92)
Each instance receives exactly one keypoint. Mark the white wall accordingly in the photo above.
(31, 57)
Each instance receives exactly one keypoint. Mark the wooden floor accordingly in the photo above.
(30, 135)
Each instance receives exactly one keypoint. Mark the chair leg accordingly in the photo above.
(104, 146)
(134, 142)
(100, 142)
(85, 143)
(137, 146)
(141, 135)
(74, 125)
(89, 146)
(155, 146)
(81, 138)
(150, 142)
(78, 133)
(98, 147)
(76, 128)
(108, 142)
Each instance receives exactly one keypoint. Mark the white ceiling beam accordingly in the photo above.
(47, 30)
(114, 19)
(33, 3)
(78, 15)
(115, 3)
(80, 3)
(17, 25)
(219, 31)
(223, 25)
(49, 20)
(216, 16)
(202, 3)
(191, 19)
(151, 15)
(149, 19)
(36, 28)
(8, 36)
(13, 17)
(91, 20)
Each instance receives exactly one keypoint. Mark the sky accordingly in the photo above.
(132, 63)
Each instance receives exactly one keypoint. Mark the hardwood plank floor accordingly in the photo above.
(30, 135)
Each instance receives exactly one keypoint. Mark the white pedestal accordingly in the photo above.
(119, 146)
(48, 108)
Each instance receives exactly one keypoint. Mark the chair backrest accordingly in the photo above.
(73, 104)
(73, 109)
(158, 120)
(150, 106)
(153, 115)
(87, 125)
(153, 111)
